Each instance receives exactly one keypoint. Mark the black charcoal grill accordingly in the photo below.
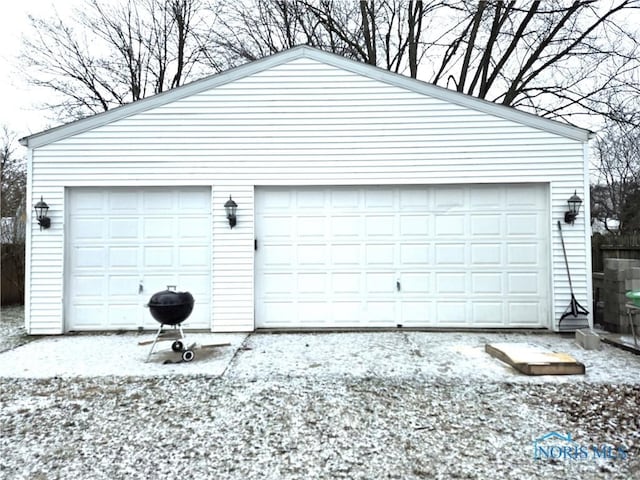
(170, 307)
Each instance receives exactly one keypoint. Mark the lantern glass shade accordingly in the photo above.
(574, 203)
(230, 206)
(41, 209)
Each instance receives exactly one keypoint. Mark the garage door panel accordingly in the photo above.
(276, 227)
(194, 229)
(312, 283)
(414, 225)
(278, 283)
(523, 283)
(451, 313)
(448, 225)
(415, 254)
(121, 315)
(311, 255)
(88, 229)
(522, 224)
(415, 199)
(381, 313)
(460, 255)
(122, 285)
(144, 240)
(379, 226)
(486, 198)
(87, 202)
(346, 313)
(416, 283)
(344, 199)
(346, 283)
(192, 255)
(379, 198)
(310, 199)
(193, 202)
(158, 257)
(311, 226)
(346, 254)
(346, 226)
(416, 313)
(123, 202)
(451, 283)
(483, 283)
(314, 312)
(523, 196)
(488, 313)
(486, 254)
(124, 257)
(154, 202)
(380, 282)
(89, 257)
(123, 228)
(449, 198)
(450, 253)
(199, 284)
(89, 316)
(486, 225)
(526, 254)
(380, 254)
(86, 285)
(524, 313)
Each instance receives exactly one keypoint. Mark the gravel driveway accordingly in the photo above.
(280, 415)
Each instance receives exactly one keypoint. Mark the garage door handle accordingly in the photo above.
(140, 288)
(398, 285)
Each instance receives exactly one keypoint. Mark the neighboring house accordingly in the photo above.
(365, 199)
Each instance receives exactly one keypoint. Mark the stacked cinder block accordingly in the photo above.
(620, 276)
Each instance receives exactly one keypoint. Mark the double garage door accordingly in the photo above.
(450, 256)
(125, 244)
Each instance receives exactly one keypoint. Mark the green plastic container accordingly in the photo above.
(634, 297)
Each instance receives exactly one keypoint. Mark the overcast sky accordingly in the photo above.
(19, 103)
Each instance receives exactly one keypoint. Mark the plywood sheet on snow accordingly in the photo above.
(535, 361)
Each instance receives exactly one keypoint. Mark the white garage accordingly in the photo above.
(442, 256)
(124, 244)
(364, 198)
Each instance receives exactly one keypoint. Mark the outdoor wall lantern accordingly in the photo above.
(574, 208)
(41, 209)
(230, 206)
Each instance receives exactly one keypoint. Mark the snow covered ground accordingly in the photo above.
(12, 333)
(346, 405)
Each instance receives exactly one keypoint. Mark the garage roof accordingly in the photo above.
(61, 132)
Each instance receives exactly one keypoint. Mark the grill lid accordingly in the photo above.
(170, 297)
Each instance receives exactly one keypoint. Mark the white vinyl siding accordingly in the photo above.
(300, 123)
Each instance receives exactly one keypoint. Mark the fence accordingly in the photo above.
(12, 274)
(613, 246)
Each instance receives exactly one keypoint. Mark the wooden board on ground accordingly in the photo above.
(535, 361)
(196, 345)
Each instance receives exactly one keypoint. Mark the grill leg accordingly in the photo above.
(155, 340)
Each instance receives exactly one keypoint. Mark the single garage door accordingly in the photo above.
(125, 244)
(446, 256)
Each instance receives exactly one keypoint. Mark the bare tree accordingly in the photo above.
(386, 33)
(553, 57)
(111, 53)
(13, 174)
(617, 171)
(12, 201)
